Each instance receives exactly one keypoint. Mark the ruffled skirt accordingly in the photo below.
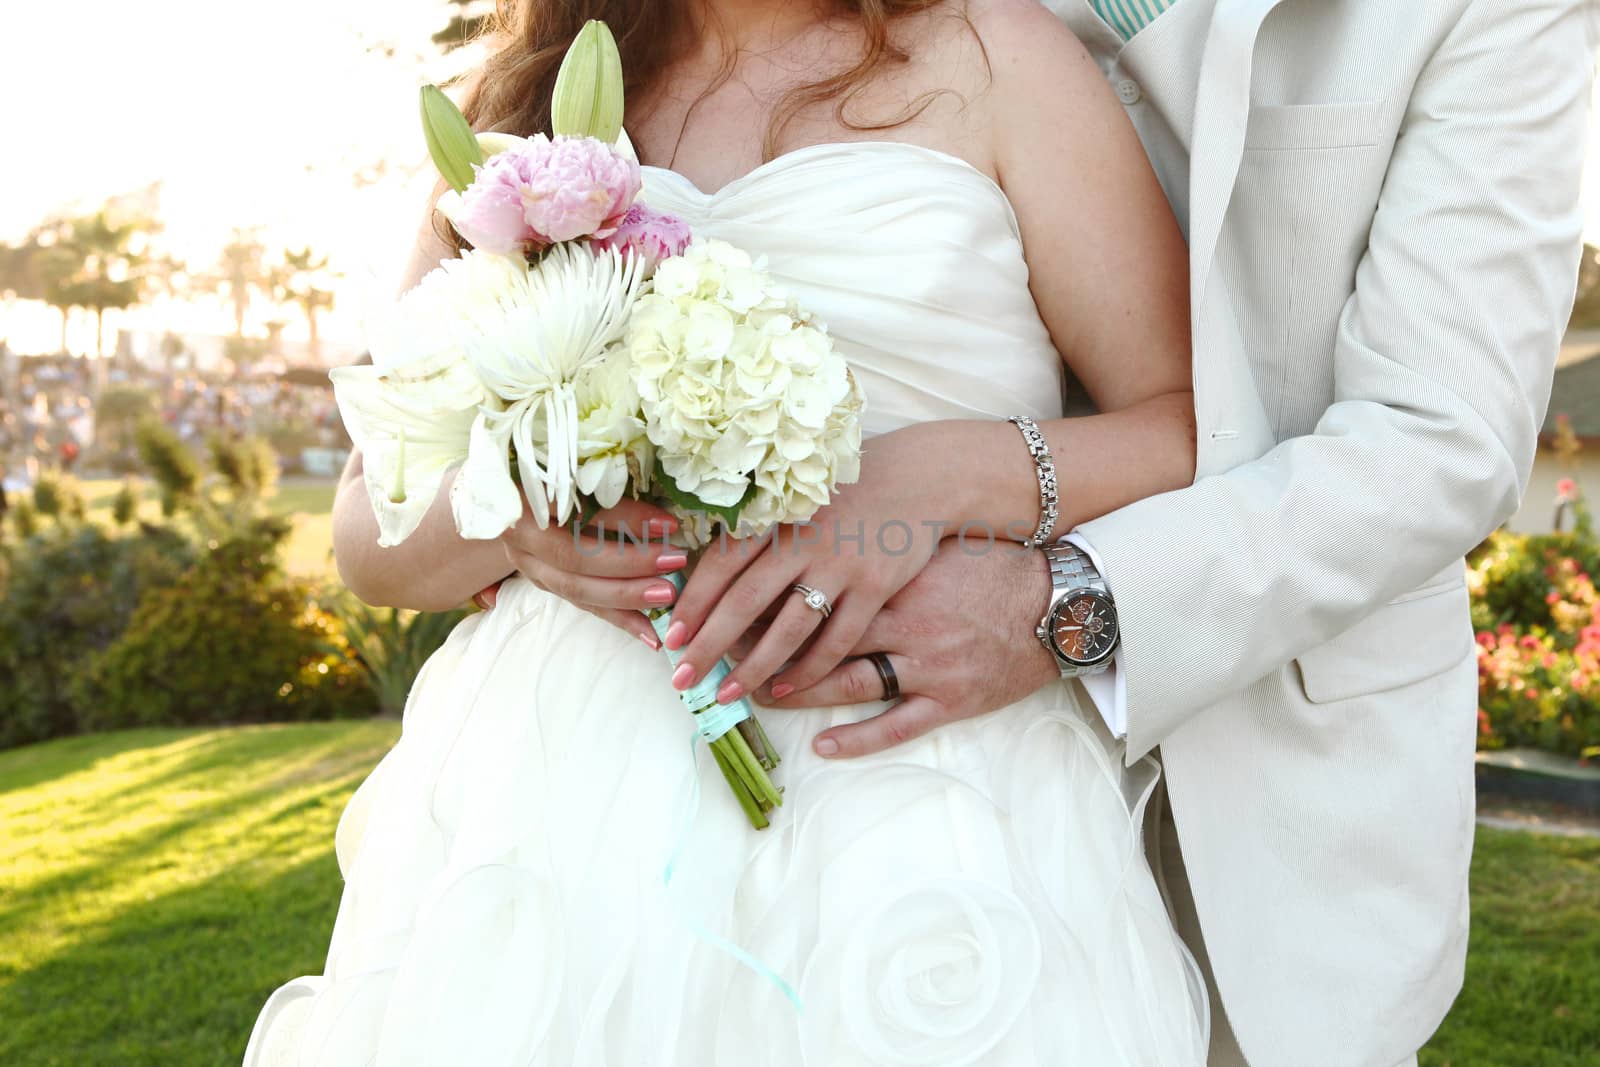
(978, 896)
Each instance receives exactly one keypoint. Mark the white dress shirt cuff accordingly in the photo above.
(1109, 688)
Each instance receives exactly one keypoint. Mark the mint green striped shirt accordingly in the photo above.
(1128, 17)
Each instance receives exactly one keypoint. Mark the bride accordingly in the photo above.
(953, 189)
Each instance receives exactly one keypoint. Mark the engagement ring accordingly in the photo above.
(816, 599)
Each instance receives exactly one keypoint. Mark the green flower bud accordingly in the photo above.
(588, 97)
(450, 139)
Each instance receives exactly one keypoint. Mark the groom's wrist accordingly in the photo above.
(1030, 601)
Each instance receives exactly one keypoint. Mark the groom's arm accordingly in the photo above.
(1443, 364)
(1442, 371)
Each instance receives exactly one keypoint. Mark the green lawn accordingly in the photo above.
(155, 885)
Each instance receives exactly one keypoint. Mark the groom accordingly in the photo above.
(1381, 205)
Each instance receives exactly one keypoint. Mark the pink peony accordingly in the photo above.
(650, 233)
(543, 192)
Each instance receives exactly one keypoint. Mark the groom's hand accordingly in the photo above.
(961, 640)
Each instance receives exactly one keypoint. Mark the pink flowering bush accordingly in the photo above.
(545, 191)
(1537, 613)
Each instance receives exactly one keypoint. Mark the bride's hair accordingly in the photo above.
(530, 37)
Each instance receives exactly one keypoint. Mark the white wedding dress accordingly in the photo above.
(978, 896)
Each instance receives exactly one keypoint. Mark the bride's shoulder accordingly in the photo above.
(1041, 79)
(1024, 26)
(1022, 36)
(1004, 51)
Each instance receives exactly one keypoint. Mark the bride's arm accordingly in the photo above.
(1109, 270)
(1109, 274)
(435, 569)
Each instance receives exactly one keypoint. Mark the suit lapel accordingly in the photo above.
(1222, 112)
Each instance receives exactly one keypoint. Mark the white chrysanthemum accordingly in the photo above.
(412, 411)
(457, 300)
(554, 324)
(612, 447)
(486, 354)
(740, 390)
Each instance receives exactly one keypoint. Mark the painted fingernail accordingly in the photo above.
(683, 676)
(730, 691)
(781, 690)
(661, 526)
(660, 594)
(650, 639)
(666, 564)
(827, 746)
(675, 635)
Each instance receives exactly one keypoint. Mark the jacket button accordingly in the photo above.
(1129, 92)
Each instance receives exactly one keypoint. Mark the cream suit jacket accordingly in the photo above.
(1384, 231)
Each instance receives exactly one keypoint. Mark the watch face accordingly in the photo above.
(1084, 628)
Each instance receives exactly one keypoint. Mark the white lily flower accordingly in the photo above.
(562, 317)
(411, 422)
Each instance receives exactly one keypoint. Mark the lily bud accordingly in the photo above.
(588, 96)
(450, 139)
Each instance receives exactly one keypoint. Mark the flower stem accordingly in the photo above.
(755, 735)
(761, 786)
(751, 809)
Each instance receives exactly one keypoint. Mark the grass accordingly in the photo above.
(156, 885)
(309, 551)
(1532, 997)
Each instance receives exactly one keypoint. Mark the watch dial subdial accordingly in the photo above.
(1086, 628)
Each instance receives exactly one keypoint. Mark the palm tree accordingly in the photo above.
(241, 273)
(302, 280)
(100, 262)
(114, 267)
(45, 265)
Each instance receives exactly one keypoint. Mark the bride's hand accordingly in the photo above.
(615, 580)
(858, 551)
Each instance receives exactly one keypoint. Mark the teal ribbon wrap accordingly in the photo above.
(711, 722)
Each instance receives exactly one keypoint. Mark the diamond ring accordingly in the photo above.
(816, 599)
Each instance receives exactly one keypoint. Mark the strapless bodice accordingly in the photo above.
(913, 259)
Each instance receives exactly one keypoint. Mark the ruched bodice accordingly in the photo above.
(913, 259)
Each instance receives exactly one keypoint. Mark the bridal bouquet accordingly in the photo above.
(587, 347)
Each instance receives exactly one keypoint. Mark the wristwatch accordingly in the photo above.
(1080, 625)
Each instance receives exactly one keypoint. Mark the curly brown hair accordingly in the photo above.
(529, 38)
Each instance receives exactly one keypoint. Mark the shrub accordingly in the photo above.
(393, 645)
(125, 505)
(68, 596)
(248, 465)
(232, 640)
(169, 463)
(24, 519)
(1534, 693)
(1537, 613)
(58, 496)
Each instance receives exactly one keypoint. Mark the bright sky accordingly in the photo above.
(249, 113)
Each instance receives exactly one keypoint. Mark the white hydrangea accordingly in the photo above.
(739, 388)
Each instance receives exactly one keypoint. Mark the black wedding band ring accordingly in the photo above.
(891, 682)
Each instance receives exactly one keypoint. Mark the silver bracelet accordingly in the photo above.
(1045, 470)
